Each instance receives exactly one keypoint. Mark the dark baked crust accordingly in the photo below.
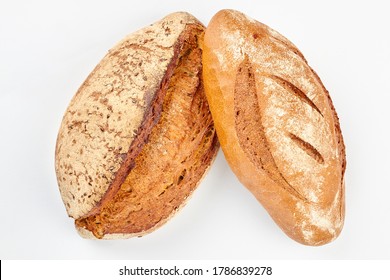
(111, 128)
(140, 203)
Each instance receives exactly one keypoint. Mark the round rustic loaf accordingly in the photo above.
(277, 126)
(138, 136)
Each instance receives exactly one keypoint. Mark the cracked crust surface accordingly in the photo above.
(117, 102)
(277, 126)
(179, 150)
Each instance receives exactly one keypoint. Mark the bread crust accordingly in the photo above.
(111, 117)
(277, 126)
(87, 234)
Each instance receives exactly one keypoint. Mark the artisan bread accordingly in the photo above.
(137, 136)
(277, 126)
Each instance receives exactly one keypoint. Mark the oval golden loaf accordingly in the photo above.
(138, 136)
(277, 126)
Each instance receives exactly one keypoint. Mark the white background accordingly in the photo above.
(47, 49)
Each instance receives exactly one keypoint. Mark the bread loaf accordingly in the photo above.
(138, 136)
(277, 126)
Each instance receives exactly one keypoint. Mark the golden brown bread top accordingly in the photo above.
(276, 125)
(104, 116)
